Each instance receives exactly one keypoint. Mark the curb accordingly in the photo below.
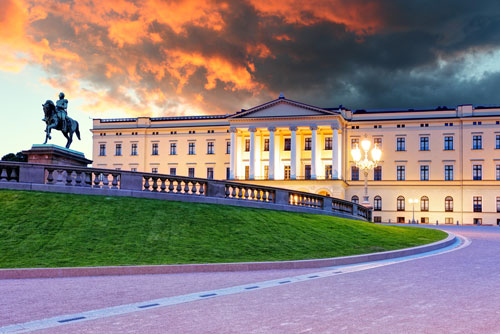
(219, 267)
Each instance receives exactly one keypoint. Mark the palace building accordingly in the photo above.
(446, 158)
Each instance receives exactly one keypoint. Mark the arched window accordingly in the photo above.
(377, 203)
(355, 199)
(448, 204)
(424, 203)
(401, 203)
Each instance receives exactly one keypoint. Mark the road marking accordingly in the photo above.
(169, 301)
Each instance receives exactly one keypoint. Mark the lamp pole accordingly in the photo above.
(413, 202)
(366, 164)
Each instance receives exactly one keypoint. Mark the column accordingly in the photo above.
(314, 152)
(252, 153)
(293, 153)
(272, 154)
(336, 153)
(233, 161)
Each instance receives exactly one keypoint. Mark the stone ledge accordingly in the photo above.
(220, 267)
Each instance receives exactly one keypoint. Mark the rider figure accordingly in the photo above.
(61, 109)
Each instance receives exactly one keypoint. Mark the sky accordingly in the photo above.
(128, 58)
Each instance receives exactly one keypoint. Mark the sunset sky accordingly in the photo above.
(118, 58)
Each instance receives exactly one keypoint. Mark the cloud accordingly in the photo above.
(164, 57)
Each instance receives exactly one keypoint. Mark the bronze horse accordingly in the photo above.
(54, 122)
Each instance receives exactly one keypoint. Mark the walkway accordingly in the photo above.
(455, 292)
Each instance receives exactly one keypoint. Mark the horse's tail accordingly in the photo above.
(77, 131)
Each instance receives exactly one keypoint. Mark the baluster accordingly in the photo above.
(186, 187)
(226, 191)
(246, 193)
(155, 184)
(105, 180)
(3, 175)
(146, 183)
(170, 185)
(88, 179)
(194, 190)
(202, 188)
(50, 176)
(114, 182)
(233, 192)
(97, 180)
(251, 194)
(270, 196)
(179, 187)
(78, 179)
(258, 195)
(240, 192)
(163, 185)
(13, 175)
(264, 195)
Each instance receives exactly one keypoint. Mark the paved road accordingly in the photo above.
(455, 292)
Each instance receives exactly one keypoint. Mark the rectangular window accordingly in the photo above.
(247, 145)
(377, 219)
(477, 172)
(247, 172)
(400, 173)
(477, 142)
(328, 143)
(354, 173)
(448, 143)
(286, 173)
(173, 171)
(448, 220)
(228, 147)
(424, 220)
(133, 149)
(328, 172)
(424, 143)
(191, 171)
(377, 142)
(210, 147)
(477, 202)
(154, 149)
(173, 148)
(498, 204)
(228, 173)
(288, 144)
(354, 142)
(210, 173)
(498, 172)
(497, 142)
(400, 144)
(133, 169)
(307, 144)
(377, 173)
(424, 173)
(266, 144)
(102, 150)
(307, 172)
(266, 172)
(118, 149)
(154, 170)
(191, 149)
(448, 172)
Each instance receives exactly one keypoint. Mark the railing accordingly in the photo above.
(41, 176)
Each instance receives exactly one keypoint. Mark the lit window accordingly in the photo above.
(424, 173)
(173, 148)
(307, 144)
(497, 142)
(328, 172)
(448, 204)
(266, 144)
(424, 203)
(173, 171)
(210, 147)
(477, 202)
(354, 173)
(354, 142)
(288, 144)
(377, 203)
(400, 144)
(477, 172)
(400, 173)
(286, 173)
(377, 142)
(401, 204)
(266, 172)
(448, 172)
(191, 148)
(498, 172)
(498, 204)
(133, 149)
(477, 142)
(448, 143)
(377, 173)
(247, 145)
(328, 143)
(424, 143)
(154, 149)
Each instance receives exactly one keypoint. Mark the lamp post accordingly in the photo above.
(365, 165)
(413, 201)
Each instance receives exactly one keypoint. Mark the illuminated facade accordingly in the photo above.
(447, 158)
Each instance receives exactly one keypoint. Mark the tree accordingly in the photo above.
(19, 156)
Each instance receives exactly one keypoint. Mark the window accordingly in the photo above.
(191, 171)
(247, 145)
(102, 150)
(448, 220)
(498, 204)
(266, 172)
(133, 169)
(400, 173)
(497, 142)
(448, 172)
(154, 170)
(400, 144)
(228, 147)
(377, 142)
(377, 203)
(228, 173)
(424, 173)
(498, 173)
(400, 220)
(192, 132)
(307, 172)
(307, 144)
(478, 221)
(477, 202)
(247, 172)
(377, 219)
(210, 173)
(266, 144)
(286, 173)
(173, 148)
(288, 144)
(354, 173)
(377, 173)
(191, 148)
(355, 199)
(118, 149)
(133, 149)
(448, 143)
(328, 172)
(448, 204)
(210, 147)
(477, 142)
(328, 143)
(477, 172)
(154, 149)
(173, 171)
(424, 143)
(354, 142)
(424, 203)
(401, 204)
(424, 220)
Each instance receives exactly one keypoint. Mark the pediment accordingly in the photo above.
(283, 108)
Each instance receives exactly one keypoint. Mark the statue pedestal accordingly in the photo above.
(56, 155)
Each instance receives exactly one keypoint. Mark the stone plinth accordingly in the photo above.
(56, 155)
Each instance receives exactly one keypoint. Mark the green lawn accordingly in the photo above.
(58, 230)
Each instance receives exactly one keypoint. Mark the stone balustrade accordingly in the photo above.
(96, 181)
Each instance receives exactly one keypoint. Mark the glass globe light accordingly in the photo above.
(356, 154)
(365, 144)
(376, 154)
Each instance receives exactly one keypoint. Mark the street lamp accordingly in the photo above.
(365, 165)
(413, 201)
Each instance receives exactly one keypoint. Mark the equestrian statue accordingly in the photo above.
(56, 117)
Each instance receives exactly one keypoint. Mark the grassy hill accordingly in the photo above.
(58, 230)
